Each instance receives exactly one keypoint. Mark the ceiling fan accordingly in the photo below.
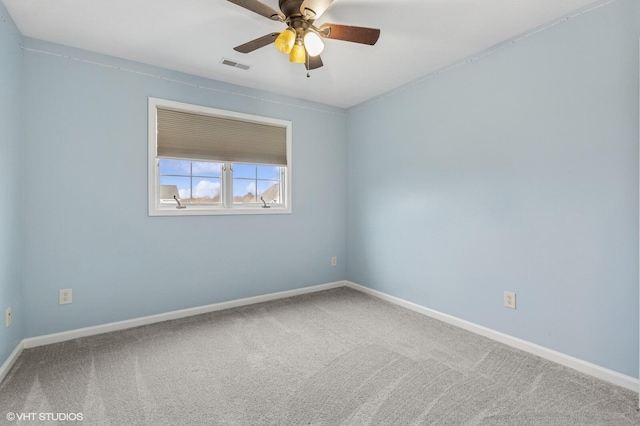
(302, 40)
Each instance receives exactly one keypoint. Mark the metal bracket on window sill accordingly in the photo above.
(179, 206)
(264, 206)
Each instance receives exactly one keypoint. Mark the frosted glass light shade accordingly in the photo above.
(313, 43)
(285, 41)
(298, 54)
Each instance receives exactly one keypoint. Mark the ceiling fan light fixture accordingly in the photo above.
(298, 53)
(313, 43)
(285, 41)
(301, 39)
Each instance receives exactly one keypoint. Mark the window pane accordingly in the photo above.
(244, 171)
(269, 172)
(252, 179)
(244, 190)
(205, 190)
(197, 181)
(206, 169)
(183, 184)
(174, 167)
(270, 191)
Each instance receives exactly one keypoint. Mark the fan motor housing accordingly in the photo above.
(290, 8)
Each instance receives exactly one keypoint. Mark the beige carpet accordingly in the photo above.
(338, 357)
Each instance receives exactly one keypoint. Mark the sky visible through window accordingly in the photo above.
(199, 181)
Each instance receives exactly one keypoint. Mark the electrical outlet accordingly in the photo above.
(334, 261)
(7, 317)
(510, 299)
(65, 296)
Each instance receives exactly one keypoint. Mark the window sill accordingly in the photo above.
(216, 211)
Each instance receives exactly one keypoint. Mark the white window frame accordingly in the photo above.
(227, 207)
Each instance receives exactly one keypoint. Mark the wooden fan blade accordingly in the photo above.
(312, 9)
(350, 33)
(257, 43)
(260, 9)
(313, 62)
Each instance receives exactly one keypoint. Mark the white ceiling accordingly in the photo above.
(192, 36)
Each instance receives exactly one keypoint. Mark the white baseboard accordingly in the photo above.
(48, 339)
(6, 366)
(582, 366)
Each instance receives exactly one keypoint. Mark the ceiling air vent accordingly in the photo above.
(234, 64)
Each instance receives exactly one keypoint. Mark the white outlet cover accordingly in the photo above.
(65, 296)
(510, 299)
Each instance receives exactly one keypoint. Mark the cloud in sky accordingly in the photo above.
(206, 168)
(204, 189)
(251, 188)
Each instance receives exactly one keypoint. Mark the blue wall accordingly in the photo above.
(518, 172)
(11, 178)
(86, 198)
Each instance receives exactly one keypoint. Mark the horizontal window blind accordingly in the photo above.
(194, 136)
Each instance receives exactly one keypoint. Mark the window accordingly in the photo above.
(206, 161)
